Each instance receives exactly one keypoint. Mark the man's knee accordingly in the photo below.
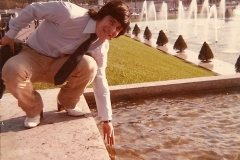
(89, 65)
(13, 70)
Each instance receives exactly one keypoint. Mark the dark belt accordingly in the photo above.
(6, 54)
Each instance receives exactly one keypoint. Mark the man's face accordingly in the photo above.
(108, 28)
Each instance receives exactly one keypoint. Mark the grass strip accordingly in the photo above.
(130, 61)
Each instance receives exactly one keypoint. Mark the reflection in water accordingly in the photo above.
(192, 126)
(111, 152)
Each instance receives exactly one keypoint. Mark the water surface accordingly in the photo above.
(202, 126)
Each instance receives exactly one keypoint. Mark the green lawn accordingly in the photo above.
(130, 61)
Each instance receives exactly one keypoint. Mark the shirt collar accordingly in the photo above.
(90, 27)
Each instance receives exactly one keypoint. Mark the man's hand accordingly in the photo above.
(108, 133)
(7, 41)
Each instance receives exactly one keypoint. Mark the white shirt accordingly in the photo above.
(64, 27)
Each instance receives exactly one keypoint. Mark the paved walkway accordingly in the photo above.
(58, 137)
(25, 32)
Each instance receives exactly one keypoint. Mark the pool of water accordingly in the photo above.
(175, 127)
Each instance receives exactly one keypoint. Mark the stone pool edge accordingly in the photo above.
(148, 89)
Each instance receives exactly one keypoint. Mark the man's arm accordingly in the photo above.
(102, 93)
(45, 10)
(55, 12)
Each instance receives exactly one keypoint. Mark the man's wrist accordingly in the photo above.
(108, 121)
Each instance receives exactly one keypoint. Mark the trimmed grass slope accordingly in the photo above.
(130, 61)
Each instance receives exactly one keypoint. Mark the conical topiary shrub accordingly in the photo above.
(162, 39)
(205, 53)
(237, 65)
(228, 13)
(147, 33)
(180, 44)
(136, 30)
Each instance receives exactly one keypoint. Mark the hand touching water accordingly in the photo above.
(108, 133)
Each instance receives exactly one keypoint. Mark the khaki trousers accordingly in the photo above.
(29, 66)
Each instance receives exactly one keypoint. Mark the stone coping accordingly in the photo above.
(141, 90)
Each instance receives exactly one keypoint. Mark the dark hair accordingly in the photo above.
(118, 10)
